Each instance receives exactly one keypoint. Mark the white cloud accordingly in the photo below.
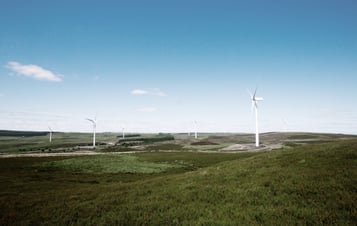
(147, 109)
(33, 71)
(152, 91)
(138, 92)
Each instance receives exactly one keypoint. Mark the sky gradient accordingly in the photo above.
(157, 66)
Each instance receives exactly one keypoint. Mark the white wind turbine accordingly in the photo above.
(94, 122)
(255, 105)
(50, 134)
(195, 129)
(123, 133)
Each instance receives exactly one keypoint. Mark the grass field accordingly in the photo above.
(311, 184)
(25, 142)
(15, 142)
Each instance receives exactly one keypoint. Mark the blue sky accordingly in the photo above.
(157, 66)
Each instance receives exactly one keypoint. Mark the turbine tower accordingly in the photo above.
(123, 133)
(195, 129)
(94, 122)
(255, 100)
(50, 134)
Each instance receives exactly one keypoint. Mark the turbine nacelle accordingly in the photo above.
(254, 97)
(258, 98)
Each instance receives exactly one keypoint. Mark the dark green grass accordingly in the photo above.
(149, 139)
(165, 147)
(11, 133)
(303, 136)
(307, 185)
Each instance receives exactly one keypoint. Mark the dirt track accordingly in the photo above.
(77, 153)
(250, 148)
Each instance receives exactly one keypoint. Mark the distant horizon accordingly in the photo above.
(192, 132)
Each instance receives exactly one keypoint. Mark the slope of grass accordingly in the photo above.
(100, 164)
(306, 185)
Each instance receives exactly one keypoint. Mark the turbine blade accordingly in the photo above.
(255, 92)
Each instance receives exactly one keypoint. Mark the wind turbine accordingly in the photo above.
(94, 122)
(123, 133)
(195, 129)
(255, 100)
(50, 134)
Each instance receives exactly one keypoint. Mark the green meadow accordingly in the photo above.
(308, 183)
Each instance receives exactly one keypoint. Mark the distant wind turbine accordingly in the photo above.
(195, 129)
(94, 122)
(255, 105)
(123, 133)
(50, 134)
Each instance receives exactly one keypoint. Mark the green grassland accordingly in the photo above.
(14, 142)
(107, 164)
(309, 184)
(24, 142)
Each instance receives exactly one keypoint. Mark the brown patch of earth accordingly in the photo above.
(250, 148)
(204, 143)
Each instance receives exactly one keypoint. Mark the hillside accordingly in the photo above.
(312, 184)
